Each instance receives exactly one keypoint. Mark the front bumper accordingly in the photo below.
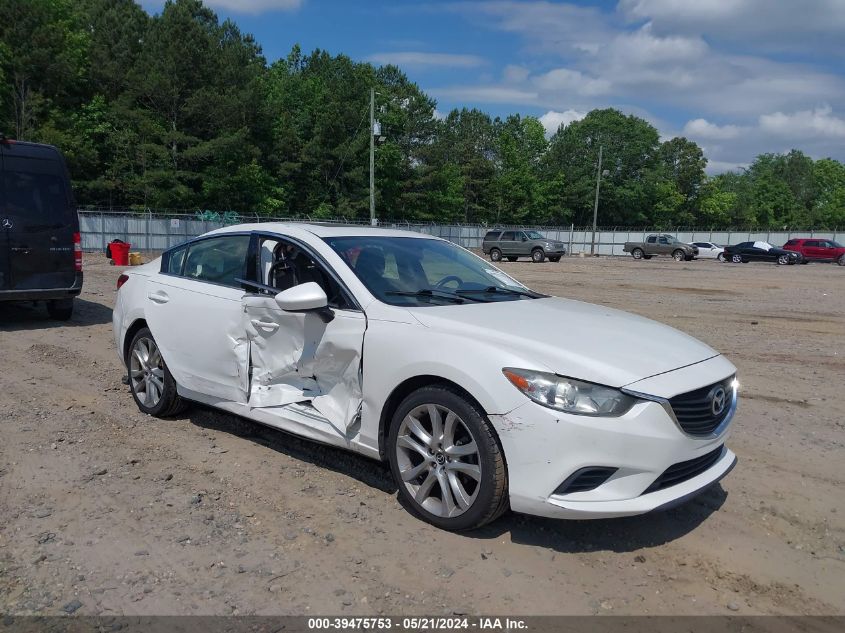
(544, 447)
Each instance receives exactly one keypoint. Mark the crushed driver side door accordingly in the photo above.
(298, 357)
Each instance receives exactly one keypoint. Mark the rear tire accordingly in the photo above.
(60, 309)
(420, 460)
(150, 381)
(495, 255)
(538, 256)
(637, 253)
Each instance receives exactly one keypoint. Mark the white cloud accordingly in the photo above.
(703, 129)
(807, 123)
(410, 59)
(552, 120)
(571, 81)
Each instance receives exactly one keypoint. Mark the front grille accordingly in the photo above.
(585, 479)
(558, 245)
(694, 409)
(683, 471)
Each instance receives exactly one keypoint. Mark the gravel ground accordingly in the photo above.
(106, 511)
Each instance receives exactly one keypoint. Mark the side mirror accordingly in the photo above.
(302, 298)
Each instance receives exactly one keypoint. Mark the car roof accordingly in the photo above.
(30, 150)
(323, 230)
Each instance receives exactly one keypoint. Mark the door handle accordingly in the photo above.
(267, 325)
(158, 297)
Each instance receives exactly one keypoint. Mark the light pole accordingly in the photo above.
(372, 157)
(599, 174)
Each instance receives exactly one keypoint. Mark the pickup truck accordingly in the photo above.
(661, 245)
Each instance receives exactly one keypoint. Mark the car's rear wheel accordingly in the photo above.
(495, 255)
(637, 253)
(556, 258)
(538, 256)
(151, 382)
(446, 460)
(512, 258)
(60, 309)
(736, 259)
(679, 255)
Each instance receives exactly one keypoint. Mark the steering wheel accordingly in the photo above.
(450, 278)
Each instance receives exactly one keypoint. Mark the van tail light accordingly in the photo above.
(77, 252)
(122, 280)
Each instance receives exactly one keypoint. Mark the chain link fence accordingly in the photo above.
(159, 231)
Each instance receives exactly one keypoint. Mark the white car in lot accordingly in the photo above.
(709, 250)
(481, 393)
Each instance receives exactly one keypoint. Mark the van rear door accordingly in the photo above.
(37, 219)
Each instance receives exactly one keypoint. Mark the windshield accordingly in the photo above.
(410, 271)
(534, 235)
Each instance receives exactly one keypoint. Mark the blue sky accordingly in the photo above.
(739, 77)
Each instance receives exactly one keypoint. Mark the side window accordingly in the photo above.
(218, 260)
(507, 236)
(663, 240)
(171, 263)
(651, 239)
(812, 243)
(285, 265)
(491, 235)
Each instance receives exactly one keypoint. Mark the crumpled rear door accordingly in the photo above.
(296, 357)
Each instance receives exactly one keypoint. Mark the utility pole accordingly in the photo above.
(372, 157)
(596, 206)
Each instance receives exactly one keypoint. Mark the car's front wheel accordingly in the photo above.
(538, 256)
(679, 255)
(736, 259)
(783, 260)
(720, 257)
(446, 460)
(841, 261)
(495, 255)
(151, 382)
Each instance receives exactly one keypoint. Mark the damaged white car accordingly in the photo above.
(481, 393)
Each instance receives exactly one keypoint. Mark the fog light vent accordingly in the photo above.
(585, 479)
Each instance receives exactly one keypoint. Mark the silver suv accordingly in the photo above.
(515, 244)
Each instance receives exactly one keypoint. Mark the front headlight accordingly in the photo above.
(569, 395)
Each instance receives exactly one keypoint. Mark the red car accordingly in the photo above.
(816, 249)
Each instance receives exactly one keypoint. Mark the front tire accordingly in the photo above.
(841, 260)
(446, 460)
(60, 309)
(679, 255)
(538, 256)
(150, 381)
(736, 259)
(495, 255)
(720, 257)
(783, 260)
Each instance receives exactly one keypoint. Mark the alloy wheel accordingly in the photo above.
(438, 460)
(783, 259)
(736, 259)
(146, 372)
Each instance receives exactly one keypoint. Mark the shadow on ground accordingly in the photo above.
(615, 535)
(21, 315)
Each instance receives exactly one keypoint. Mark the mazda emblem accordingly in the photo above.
(7, 223)
(718, 400)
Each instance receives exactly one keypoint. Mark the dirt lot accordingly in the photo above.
(106, 511)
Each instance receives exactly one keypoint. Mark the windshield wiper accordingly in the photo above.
(498, 289)
(430, 293)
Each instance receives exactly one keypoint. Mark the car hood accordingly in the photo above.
(572, 338)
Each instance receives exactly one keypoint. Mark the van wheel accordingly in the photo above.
(446, 460)
(495, 255)
(151, 382)
(537, 256)
(60, 309)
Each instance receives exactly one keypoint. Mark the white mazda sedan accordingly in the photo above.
(481, 393)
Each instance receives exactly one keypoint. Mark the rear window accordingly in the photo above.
(492, 235)
(35, 198)
(791, 243)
